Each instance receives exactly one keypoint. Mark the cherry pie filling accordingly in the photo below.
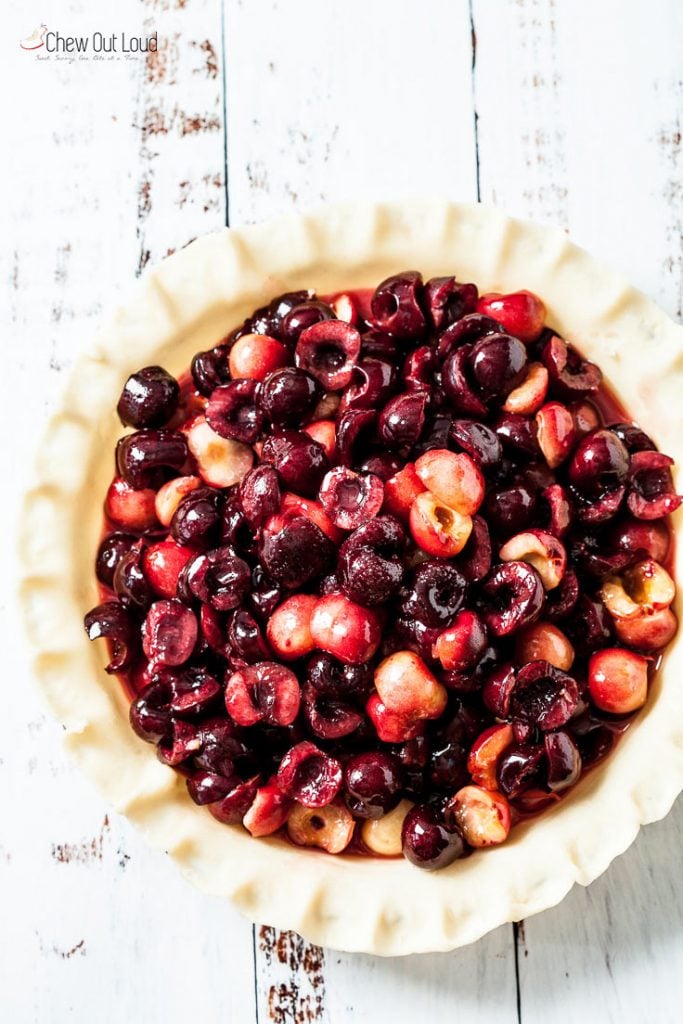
(387, 570)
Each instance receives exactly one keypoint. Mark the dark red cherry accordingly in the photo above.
(498, 364)
(543, 696)
(112, 621)
(519, 766)
(516, 594)
(330, 718)
(145, 458)
(372, 783)
(287, 397)
(335, 679)
(396, 305)
(109, 554)
(468, 329)
(459, 389)
(355, 427)
(518, 435)
(564, 760)
(259, 494)
(434, 594)
(373, 381)
(219, 578)
(477, 440)
(570, 375)
(149, 398)
(309, 776)
(150, 712)
(296, 552)
(475, 559)
(633, 438)
(130, 582)
(651, 491)
(300, 317)
(447, 301)
(599, 464)
(233, 412)
(511, 509)
(197, 520)
(402, 419)
(427, 842)
(169, 633)
(300, 461)
(245, 638)
(210, 369)
(329, 351)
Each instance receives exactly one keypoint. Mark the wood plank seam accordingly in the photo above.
(475, 112)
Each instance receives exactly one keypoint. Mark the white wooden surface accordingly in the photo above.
(568, 111)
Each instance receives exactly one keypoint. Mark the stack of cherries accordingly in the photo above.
(385, 571)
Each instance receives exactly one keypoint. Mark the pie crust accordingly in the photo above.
(189, 302)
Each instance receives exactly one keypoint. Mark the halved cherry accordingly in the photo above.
(169, 496)
(483, 757)
(325, 433)
(329, 351)
(169, 633)
(545, 552)
(556, 432)
(437, 528)
(310, 776)
(221, 461)
(482, 816)
(266, 692)
(293, 504)
(330, 828)
(345, 308)
(453, 478)
(268, 812)
(640, 590)
(529, 396)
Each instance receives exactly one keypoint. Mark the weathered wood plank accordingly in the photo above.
(369, 100)
(615, 948)
(580, 125)
(580, 112)
(111, 164)
(358, 100)
(180, 128)
(290, 978)
(518, 95)
(475, 984)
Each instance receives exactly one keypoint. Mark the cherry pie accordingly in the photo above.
(388, 570)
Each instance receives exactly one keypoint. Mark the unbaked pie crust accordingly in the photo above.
(188, 303)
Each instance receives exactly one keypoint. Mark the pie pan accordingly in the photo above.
(189, 302)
